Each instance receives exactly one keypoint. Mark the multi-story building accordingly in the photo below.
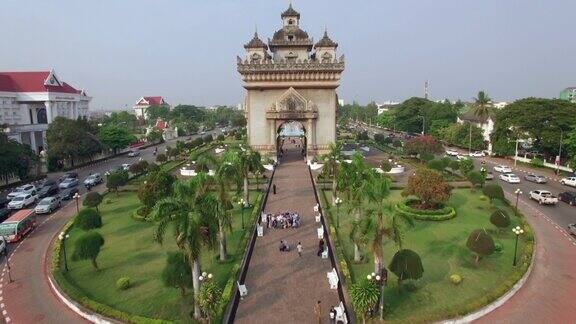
(568, 94)
(29, 101)
(146, 102)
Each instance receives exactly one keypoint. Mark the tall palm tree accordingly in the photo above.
(193, 226)
(482, 105)
(331, 163)
(246, 162)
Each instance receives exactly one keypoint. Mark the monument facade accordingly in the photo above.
(291, 79)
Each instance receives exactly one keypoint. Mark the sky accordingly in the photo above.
(185, 50)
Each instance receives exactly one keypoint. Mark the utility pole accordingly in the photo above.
(470, 144)
(426, 89)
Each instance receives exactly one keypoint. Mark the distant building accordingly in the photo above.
(486, 124)
(341, 102)
(29, 101)
(386, 106)
(146, 102)
(168, 132)
(568, 94)
(500, 105)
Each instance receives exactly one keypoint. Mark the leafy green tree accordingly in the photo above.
(161, 158)
(88, 219)
(500, 219)
(412, 113)
(436, 165)
(155, 112)
(15, 159)
(466, 165)
(493, 191)
(476, 178)
(423, 144)
(386, 166)
(116, 179)
(92, 200)
(481, 243)
(386, 119)
(115, 137)
(364, 295)
(139, 167)
(429, 186)
(155, 136)
(71, 140)
(87, 247)
(176, 272)
(210, 299)
(406, 264)
(158, 185)
(122, 119)
(332, 162)
(459, 135)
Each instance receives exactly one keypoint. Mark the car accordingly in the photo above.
(47, 205)
(48, 186)
(451, 152)
(68, 183)
(461, 157)
(571, 181)
(134, 153)
(568, 197)
(535, 178)
(47, 192)
(22, 201)
(510, 178)
(572, 229)
(126, 166)
(543, 197)
(68, 193)
(25, 189)
(4, 202)
(93, 179)
(502, 169)
(68, 175)
(4, 213)
(489, 175)
(477, 154)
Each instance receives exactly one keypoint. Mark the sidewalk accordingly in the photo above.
(283, 287)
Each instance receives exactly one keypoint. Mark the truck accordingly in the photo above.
(543, 197)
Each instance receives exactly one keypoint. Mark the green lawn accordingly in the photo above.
(442, 247)
(129, 250)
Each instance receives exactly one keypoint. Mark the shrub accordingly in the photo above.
(220, 137)
(454, 165)
(161, 158)
(455, 279)
(481, 243)
(123, 283)
(385, 166)
(493, 191)
(92, 200)
(426, 157)
(500, 219)
(87, 247)
(423, 144)
(116, 180)
(437, 165)
(139, 167)
(483, 198)
(466, 165)
(362, 136)
(429, 186)
(537, 162)
(406, 264)
(208, 138)
(176, 272)
(397, 143)
(476, 178)
(446, 162)
(425, 214)
(498, 247)
(88, 219)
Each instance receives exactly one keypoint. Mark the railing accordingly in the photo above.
(335, 265)
(230, 313)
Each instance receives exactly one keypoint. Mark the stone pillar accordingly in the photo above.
(310, 136)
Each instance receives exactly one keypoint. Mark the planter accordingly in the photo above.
(425, 215)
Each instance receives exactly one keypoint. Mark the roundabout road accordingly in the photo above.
(29, 298)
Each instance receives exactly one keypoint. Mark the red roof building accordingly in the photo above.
(146, 102)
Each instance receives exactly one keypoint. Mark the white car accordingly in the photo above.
(451, 152)
(25, 189)
(477, 154)
(22, 201)
(134, 153)
(510, 178)
(502, 169)
(126, 166)
(571, 181)
(572, 229)
(461, 157)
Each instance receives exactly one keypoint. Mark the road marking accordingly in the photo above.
(8, 319)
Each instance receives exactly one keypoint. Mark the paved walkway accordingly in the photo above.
(282, 287)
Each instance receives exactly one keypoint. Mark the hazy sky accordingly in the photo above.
(185, 50)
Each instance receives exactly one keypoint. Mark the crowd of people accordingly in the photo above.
(283, 220)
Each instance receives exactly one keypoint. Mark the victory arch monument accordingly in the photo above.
(291, 80)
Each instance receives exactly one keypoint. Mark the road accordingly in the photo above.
(29, 299)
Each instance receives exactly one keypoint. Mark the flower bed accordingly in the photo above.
(441, 214)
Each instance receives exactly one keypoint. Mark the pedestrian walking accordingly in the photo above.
(299, 248)
(274, 188)
(320, 247)
(318, 312)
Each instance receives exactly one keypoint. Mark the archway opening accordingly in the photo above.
(291, 139)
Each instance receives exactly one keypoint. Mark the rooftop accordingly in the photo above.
(326, 41)
(290, 12)
(38, 81)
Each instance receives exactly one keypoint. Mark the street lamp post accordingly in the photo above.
(7, 261)
(518, 192)
(337, 202)
(205, 277)
(559, 153)
(63, 237)
(76, 197)
(518, 231)
(241, 203)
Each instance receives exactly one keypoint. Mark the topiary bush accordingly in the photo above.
(455, 279)
(406, 264)
(493, 191)
(481, 243)
(440, 214)
(88, 219)
(500, 219)
(437, 165)
(123, 283)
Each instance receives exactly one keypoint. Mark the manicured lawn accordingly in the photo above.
(130, 250)
(442, 247)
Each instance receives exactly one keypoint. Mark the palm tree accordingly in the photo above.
(193, 226)
(331, 163)
(482, 105)
(246, 162)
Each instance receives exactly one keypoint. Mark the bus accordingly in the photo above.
(18, 225)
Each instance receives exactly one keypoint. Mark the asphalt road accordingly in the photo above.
(29, 298)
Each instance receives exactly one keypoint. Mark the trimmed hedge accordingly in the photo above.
(425, 215)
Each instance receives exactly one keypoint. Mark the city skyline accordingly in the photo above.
(120, 52)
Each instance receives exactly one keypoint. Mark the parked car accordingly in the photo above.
(477, 154)
(68, 193)
(4, 202)
(502, 169)
(47, 205)
(451, 152)
(572, 229)
(568, 197)
(134, 152)
(25, 189)
(68, 183)
(535, 178)
(571, 181)
(510, 178)
(543, 197)
(93, 179)
(47, 192)
(49, 183)
(68, 175)
(489, 175)
(22, 201)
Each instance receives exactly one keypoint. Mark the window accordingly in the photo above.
(290, 22)
(290, 37)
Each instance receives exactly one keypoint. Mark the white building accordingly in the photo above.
(29, 101)
(146, 102)
(486, 124)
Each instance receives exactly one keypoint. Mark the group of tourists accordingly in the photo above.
(283, 220)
